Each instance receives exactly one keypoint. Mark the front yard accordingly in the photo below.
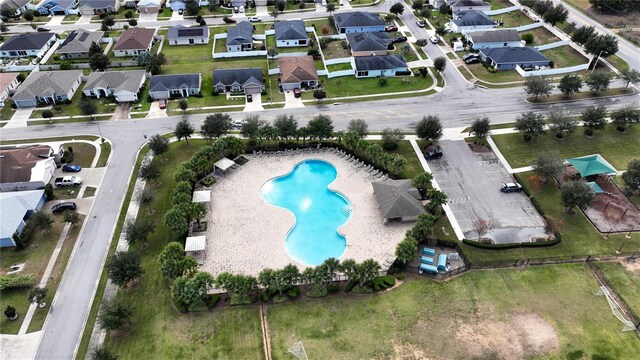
(62, 109)
(565, 56)
(499, 76)
(121, 15)
(352, 86)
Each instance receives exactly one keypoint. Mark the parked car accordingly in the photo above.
(68, 181)
(399, 39)
(296, 93)
(67, 205)
(163, 104)
(255, 19)
(228, 20)
(71, 168)
(237, 124)
(470, 56)
(391, 28)
(42, 29)
(242, 9)
(434, 39)
(249, 98)
(421, 23)
(433, 154)
(475, 60)
(180, 12)
(236, 9)
(510, 187)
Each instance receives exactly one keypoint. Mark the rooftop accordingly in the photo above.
(240, 34)
(177, 81)
(79, 41)
(240, 76)
(357, 19)
(135, 39)
(501, 35)
(369, 41)
(180, 31)
(386, 62)
(472, 18)
(29, 41)
(47, 83)
(295, 69)
(505, 55)
(16, 163)
(116, 80)
(397, 198)
(290, 30)
(14, 206)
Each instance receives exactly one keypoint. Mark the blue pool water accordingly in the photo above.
(319, 211)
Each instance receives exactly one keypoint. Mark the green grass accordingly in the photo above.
(625, 282)
(71, 18)
(65, 192)
(499, 76)
(408, 56)
(62, 109)
(582, 95)
(413, 166)
(335, 50)
(319, 24)
(83, 153)
(618, 62)
(617, 148)
(7, 112)
(120, 15)
(565, 56)
(351, 86)
(541, 36)
(450, 319)
(499, 4)
(512, 19)
(165, 13)
(271, 43)
(89, 192)
(339, 67)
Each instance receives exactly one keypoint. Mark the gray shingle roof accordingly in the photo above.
(505, 55)
(357, 19)
(30, 41)
(47, 83)
(290, 30)
(97, 4)
(116, 80)
(178, 81)
(369, 41)
(500, 36)
(79, 41)
(472, 18)
(241, 76)
(180, 31)
(240, 34)
(63, 4)
(14, 207)
(397, 198)
(386, 62)
(469, 3)
(13, 4)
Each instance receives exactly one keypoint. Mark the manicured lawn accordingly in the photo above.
(121, 14)
(351, 86)
(83, 153)
(479, 315)
(625, 282)
(512, 19)
(165, 13)
(499, 76)
(618, 62)
(408, 56)
(62, 109)
(319, 24)
(338, 67)
(541, 36)
(7, 112)
(565, 56)
(618, 148)
(70, 18)
(89, 192)
(499, 4)
(581, 95)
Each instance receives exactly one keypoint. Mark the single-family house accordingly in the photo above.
(123, 85)
(182, 35)
(291, 33)
(176, 5)
(494, 39)
(8, 84)
(240, 37)
(57, 7)
(398, 200)
(470, 5)
(507, 58)
(134, 42)
(149, 6)
(174, 86)
(369, 43)
(15, 210)
(97, 7)
(297, 72)
(249, 81)
(78, 43)
(436, 4)
(24, 168)
(380, 66)
(48, 87)
(17, 7)
(358, 21)
(471, 20)
(26, 45)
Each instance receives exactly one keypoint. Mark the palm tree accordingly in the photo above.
(367, 271)
(332, 265)
(348, 267)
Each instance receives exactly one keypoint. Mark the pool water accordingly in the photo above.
(319, 211)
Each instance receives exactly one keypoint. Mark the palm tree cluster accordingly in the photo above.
(373, 153)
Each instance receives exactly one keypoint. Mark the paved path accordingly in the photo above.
(19, 118)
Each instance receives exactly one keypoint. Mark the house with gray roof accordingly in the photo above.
(18, 7)
(380, 66)
(15, 210)
(494, 39)
(125, 86)
(291, 33)
(358, 21)
(57, 7)
(78, 43)
(369, 43)
(97, 7)
(174, 86)
(240, 37)
(469, 5)
(47, 87)
(248, 81)
(183, 35)
(27, 45)
(471, 20)
(398, 200)
(507, 58)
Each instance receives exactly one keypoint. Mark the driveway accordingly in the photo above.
(147, 17)
(90, 176)
(83, 205)
(291, 101)
(472, 180)
(55, 20)
(121, 111)
(255, 105)
(156, 112)
(19, 118)
(84, 19)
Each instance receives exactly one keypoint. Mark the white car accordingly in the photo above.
(237, 124)
(434, 39)
(254, 19)
(242, 9)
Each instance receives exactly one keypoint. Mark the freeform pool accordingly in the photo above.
(319, 211)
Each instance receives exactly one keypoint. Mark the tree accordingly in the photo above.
(216, 125)
(436, 199)
(530, 125)
(88, 107)
(482, 227)
(124, 267)
(213, 7)
(102, 353)
(28, 15)
(480, 127)
(321, 127)
(197, 211)
(10, 312)
(397, 9)
(184, 130)
(528, 38)
(150, 170)
(439, 63)
(359, 127)
(138, 230)
(146, 198)
(173, 262)
(251, 125)
(108, 22)
(570, 84)
(407, 249)
(561, 123)
(319, 94)
(287, 126)
(548, 164)
(302, 5)
(367, 270)
(417, 5)
(41, 221)
(422, 181)
(625, 116)
(576, 193)
(423, 228)
(159, 145)
(192, 8)
(37, 295)
(593, 118)
(177, 221)
(155, 62)
(331, 7)
(281, 5)
(598, 81)
(391, 138)
(115, 314)
(3, 27)
(630, 76)
(331, 267)
(183, 104)
(555, 14)
(631, 177)
(71, 217)
(601, 45)
(537, 85)
(429, 128)
(582, 34)
(47, 114)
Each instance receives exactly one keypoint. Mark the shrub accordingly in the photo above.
(128, 14)
(350, 286)
(208, 181)
(361, 290)
(317, 292)
(180, 306)
(48, 191)
(294, 292)
(512, 245)
(211, 300)
(198, 306)
(383, 81)
(528, 38)
(400, 276)
(265, 296)
(16, 281)
(333, 288)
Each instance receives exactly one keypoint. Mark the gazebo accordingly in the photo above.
(195, 247)
(224, 164)
(591, 165)
(398, 200)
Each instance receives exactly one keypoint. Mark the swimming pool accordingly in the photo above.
(319, 211)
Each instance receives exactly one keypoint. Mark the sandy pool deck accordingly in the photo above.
(246, 235)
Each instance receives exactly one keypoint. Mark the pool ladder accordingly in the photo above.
(346, 210)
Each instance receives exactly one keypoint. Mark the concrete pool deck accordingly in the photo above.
(246, 235)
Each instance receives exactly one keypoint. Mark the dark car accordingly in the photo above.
(249, 98)
(399, 39)
(510, 187)
(63, 206)
(71, 168)
(296, 92)
(473, 61)
(433, 154)
(421, 23)
(42, 29)
(470, 56)
(236, 9)
(391, 28)
(228, 20)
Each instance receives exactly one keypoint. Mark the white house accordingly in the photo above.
(182, 35)
(494, 39)
(134, 42)
(291, 33)
(15, 210)
(123, 85)
(27, 45)
(27, 167)
(471, 20)
(149, 6)
(379, 66)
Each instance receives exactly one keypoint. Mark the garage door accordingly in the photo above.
(126, 98)
(58, 13)
(291, 86)
(252, 90)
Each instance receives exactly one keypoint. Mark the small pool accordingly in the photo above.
(319, 211)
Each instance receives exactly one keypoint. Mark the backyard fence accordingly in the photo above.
(343, 60)
(546, 72)
(339, 73)
(529, 26)
(552, 45)
(624, 307)
(501, 11)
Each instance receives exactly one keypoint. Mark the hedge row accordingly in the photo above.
(512, 245)
(16, 281)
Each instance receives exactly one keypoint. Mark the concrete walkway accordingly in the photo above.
(19, 118)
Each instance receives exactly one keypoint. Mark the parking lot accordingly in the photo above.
(472, 181)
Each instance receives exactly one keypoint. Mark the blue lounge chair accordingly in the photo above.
(426, 260)
(442, 262)
(428, 269)
(428, 251)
